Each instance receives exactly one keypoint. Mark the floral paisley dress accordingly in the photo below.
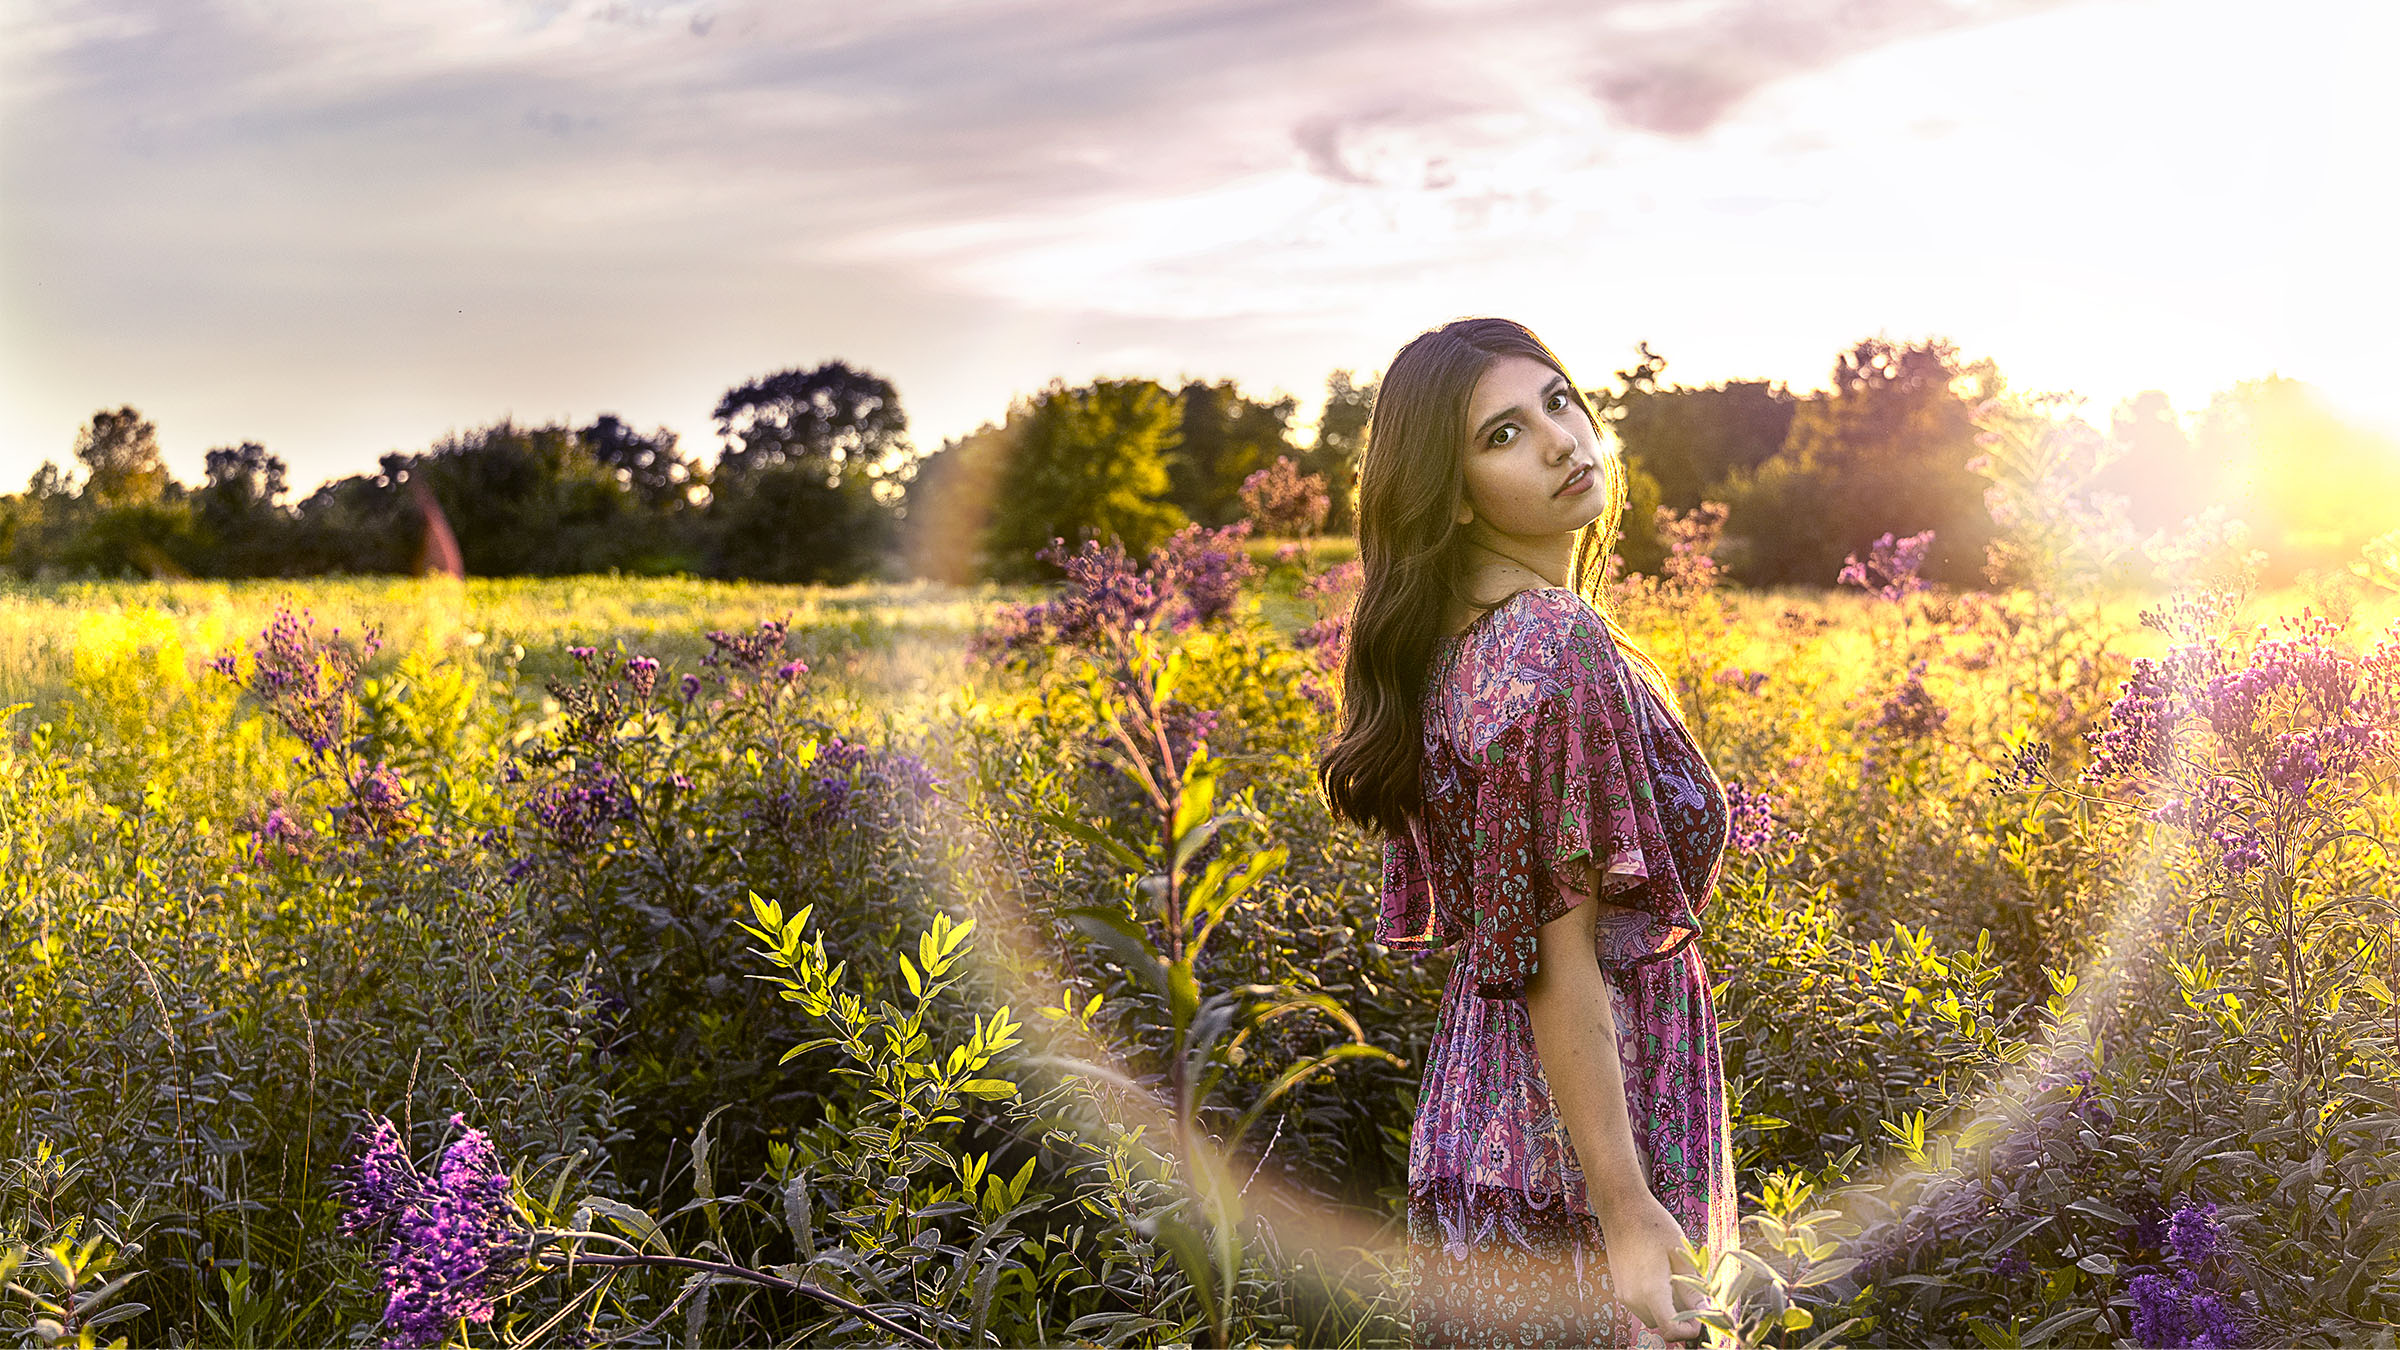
(1542, 746)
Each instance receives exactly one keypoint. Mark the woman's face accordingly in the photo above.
(1527, 439)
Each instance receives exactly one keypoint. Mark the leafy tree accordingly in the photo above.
(241, 479)
(810, 483)
(949, 504)
(1084, 463)
(1341, 435)
(1883, 451)
(363, 523)
(1225, 437)
(793, 523)
(120, 453)
(1693, 440)
(240, 524)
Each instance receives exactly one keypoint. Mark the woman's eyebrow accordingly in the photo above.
(1505, 413)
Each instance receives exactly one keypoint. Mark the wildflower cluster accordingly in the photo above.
(309, 685)
(1691, 539)
(2182, 1309)
(2295, 718)
(850, 780)
(1890, 570)
(1193, 578)
(1327, 639)
(453, 1238)
(1283, 500)
(273, 832)
(304, 682)
(1748, 681)
(746, 652)
(1910, 713)
(1753, 816)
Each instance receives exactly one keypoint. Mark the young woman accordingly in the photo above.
(1544, 809)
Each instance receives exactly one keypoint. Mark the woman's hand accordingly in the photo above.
(1645, 1252)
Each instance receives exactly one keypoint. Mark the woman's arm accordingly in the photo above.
(1575, 1036)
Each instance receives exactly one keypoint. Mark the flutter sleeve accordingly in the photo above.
(1572, 777)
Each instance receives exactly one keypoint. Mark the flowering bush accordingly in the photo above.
(1280, 499)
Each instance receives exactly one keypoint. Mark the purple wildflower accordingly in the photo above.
(642, 673)
(577, 811)
(746, 651)
(380, 1184)
(2193, 1233)
(2012, 1266)
(450, 1248)
(690, 687)
(1752, 817)
(382, 800)
(1911, 712)
(2182, 1313)
(1283, 500)
(1691, 538)
(304, 683)
(791, 670)
(1748, 681)
(1193, 578)
(1890, 570)
(2025, 767)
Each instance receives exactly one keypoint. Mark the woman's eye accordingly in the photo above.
(1563, 401)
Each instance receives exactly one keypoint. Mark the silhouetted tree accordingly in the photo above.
(240, 524)
(119, 451)
(825, 454)
(650, 465)
(845, 419)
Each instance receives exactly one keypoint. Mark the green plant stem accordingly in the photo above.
(744, 1273)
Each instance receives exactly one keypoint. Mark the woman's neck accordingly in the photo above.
(1548, 557)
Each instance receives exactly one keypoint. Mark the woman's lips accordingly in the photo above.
(1578, 486)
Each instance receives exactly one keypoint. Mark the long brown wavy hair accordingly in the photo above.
(1412, 556)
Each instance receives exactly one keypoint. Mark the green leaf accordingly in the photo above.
(1124, 939)
(1183, 993)
(908, 972)
(988, 1087)
(1099, 839)
(1198, 800)
(2102, 1210)
(635, 1223)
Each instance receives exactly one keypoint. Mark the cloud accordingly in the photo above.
(224, 167)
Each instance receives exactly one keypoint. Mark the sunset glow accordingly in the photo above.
(347, 231)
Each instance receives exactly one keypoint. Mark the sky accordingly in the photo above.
(348, 229)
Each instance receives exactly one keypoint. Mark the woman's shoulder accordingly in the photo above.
(1547, 630)
(1535, 647)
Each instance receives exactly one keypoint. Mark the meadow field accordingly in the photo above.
(631, 961)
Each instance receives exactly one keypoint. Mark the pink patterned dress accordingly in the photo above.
(1542, 746)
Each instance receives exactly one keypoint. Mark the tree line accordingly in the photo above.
(816, 480)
